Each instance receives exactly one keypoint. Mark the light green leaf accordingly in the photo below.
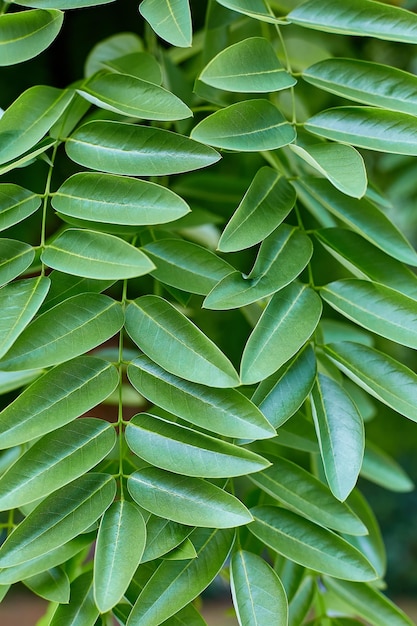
(162, 536)
(283, 328)
(248, 66)
(258, 595)
(30, 117)
(81, 610)
(380, 468)
(300, 604)
(133, 97)
(15, 258)
(16, 204)
(256, 9)
(380, 309)
(25, 34)
(309, 545)
(340, 433)
(69, 329)
(59, 518)
(186, 265)
(9, 381)
(170, 19)
(306, 495)
(90, 254)
(160, 599)
(342, 165)
(128, 149)
(72, 451)
(184, 451)
(138, 64)
(223, 411)
(117, 200)
(182, 552)
(247, 126)
(19, 303)
(52, 585)
(176, 344)
(28, 157)
(190, 501)
(282, 394)
(282, 257)
(366, 127)
(120, 544)
(111, 48)
(62, 4)
(266, 203)
(357, 17)
(368, 602)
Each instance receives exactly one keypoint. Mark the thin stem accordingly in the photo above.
(120, 420)
(46, 196)
(289, 70)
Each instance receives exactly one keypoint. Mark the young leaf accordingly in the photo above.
(81, 609)
(256, 9)
(261, 127)
(25, 34)
(170, 19)
(16, 204)
(15, 258)
(128, 149)
(284, 327)
(52, 585)
(258, 594)
(340, 433)
(120, 544)
(190, 501)
(223, 411)
(176, 344)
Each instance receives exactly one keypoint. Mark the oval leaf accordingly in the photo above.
(16, 204)
(15, 258)
(257, 9)
(170, 19)
(25, 34)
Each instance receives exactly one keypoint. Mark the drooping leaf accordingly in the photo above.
(162, 536)
(120, 544)
(284, 327)
(128, 149)
(170, 19)
(117, 200)
(59, 518)
(69, 329)
(247, 126)
(90, 254)
(257, 592)
(25, 34)
(223, 411)
(176, 344)
(256, 9)
(81, 609)
(310, 545)
(341, 436)
(383, 470)
(16, 204)
(190, 501)
(52, 585)
(15, 258)
(380, 309)
(184, 451)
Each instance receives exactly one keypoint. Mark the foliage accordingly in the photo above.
(199, 246)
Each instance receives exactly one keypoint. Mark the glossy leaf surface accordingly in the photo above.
(15, 258)
(16, 204)
(81, 609)
(170, 19)
(257, 9)
(25, 34)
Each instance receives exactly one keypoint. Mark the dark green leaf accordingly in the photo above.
(52, 585)
(81, 610)
(300, 604)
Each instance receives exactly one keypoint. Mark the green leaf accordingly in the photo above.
(162, 536)
(342, 165)
(15, 258)
(380, 309)
(340, 433)
(176, 344)
(383, 470)
(9, 381)
(357, 17)
(300, 604)
(258, 595)
(182, 552)
(30, 117)
(223, 411)
(59, 518)
(52, 585)
(16, 204)
(81, 610)
(117, 200)
(120, 544)
(28, 157)
(69, 329)
(249, 66)
(138, 64)
(247, 126)
(264, 206)
(176, 583)
(133, 97)
(306, 495)
(64, 286)
(283, 393)
(309, 545)
(364, 217)
(188, 616)
(25, 34)
(256, 9)
(368, 602)
(72, 450)
(367, 82)
(128, 149)
(111, 48)
(365, 127)
(56, 398)
(185, 451)
(186, 265)
(170, 19)
(190, 501)
(283, 328)
(282, 257)
(19, 303)
(96, 255)
(62, 4)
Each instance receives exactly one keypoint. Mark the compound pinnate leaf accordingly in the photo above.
(16, 204)
(25, 34)
(170, 19)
